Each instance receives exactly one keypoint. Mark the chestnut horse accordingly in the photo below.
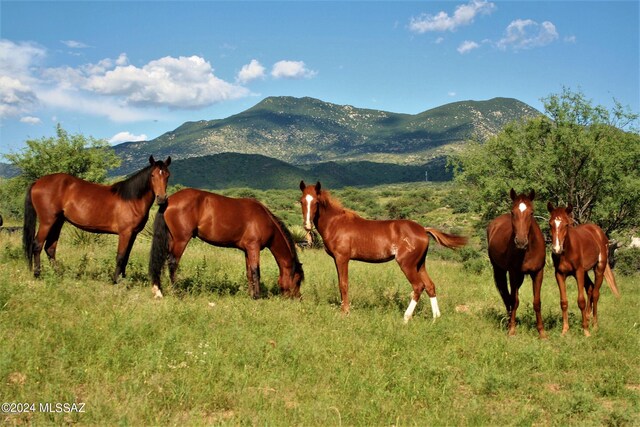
(245, 224)
(348, 236)
(121, 208)
(575, 251)
(516, 246)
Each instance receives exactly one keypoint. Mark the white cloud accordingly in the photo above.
(251, 71)
(184, 82)
(439, 40)
(467, 46)
(451, 94)
(30, 120)
(463, 15)
(73, 44)
(570, 39)
(527, 34)
(15, 97)
(291, 70)
(126, 137)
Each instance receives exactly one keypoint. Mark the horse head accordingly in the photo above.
(290, 281)
(159, 178)
(309, 203)
(560, 219)
(521, 217)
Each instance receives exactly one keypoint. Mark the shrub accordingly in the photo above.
(628, 261)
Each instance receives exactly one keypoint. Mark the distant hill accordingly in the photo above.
(307, 130)
(8, 170)
(232, 170)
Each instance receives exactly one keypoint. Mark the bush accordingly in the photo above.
(628, 261)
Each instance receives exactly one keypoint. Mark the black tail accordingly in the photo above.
(159, 247)
(29, 228)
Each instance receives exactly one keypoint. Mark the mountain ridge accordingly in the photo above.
(308, 130)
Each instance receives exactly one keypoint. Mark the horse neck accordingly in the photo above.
(327, 212)
(282, 251)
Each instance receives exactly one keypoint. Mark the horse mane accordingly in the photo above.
(328, 201)
(289, 239)
(134, 186)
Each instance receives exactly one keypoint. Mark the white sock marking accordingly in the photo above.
(409, 312)
(522, 207)
(434, 307)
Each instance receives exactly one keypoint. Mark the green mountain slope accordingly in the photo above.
(233, 170)
(307, 130)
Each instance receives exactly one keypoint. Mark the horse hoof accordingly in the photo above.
(542, 335)
(587, 333)
(157, 293)
(406, 319)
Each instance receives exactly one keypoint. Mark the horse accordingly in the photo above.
(575, 250)
(242, 223)
(516, 246)
(121, 208)
(347, 236)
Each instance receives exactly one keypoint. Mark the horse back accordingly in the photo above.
(217, 219)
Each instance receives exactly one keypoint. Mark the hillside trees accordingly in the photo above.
(576, 153)
(85, 157)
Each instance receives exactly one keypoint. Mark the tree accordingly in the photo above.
(77, 155)
(86, 158)
(576, 153)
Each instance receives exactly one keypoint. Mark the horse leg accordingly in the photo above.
(515, 279)
(582, 302)
(123, 243)
(127, 252)
(342, 266)
(564, 303)
(500, 279)
(51, 242)
(41, 236)
(595, 294)
(177, 247)
(536, 280)
(252, 259)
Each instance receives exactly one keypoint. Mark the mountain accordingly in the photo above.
(307, 130)
(233, 170)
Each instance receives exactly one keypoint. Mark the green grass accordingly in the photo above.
(208, 354)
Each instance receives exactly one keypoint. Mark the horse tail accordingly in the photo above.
(608, 274)
(159, 247)
(447, 240)
(29, 228)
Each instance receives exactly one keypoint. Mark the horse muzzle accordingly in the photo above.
(521, 244)
(161, 200)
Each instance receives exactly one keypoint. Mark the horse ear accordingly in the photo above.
(168, 161)
(513, 194)
(550, 207)
(569, 208)
(532, 195)
(152, 160)
(302, 185)
(318, 187)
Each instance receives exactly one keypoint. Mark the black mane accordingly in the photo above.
(135, 186)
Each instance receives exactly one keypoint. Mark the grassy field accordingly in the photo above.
(207, 354)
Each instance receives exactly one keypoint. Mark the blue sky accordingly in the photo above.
(123, 71)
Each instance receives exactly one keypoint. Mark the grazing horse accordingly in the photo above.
(575, 251)
(245, 224)
(121, 208)
(348, 236)
(516, 246)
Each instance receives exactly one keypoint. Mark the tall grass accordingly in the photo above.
(208, 354)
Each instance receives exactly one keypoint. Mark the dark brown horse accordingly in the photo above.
(245, 224)
(348, 236)
(575, 251)
(121, 208)
(516, 247)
